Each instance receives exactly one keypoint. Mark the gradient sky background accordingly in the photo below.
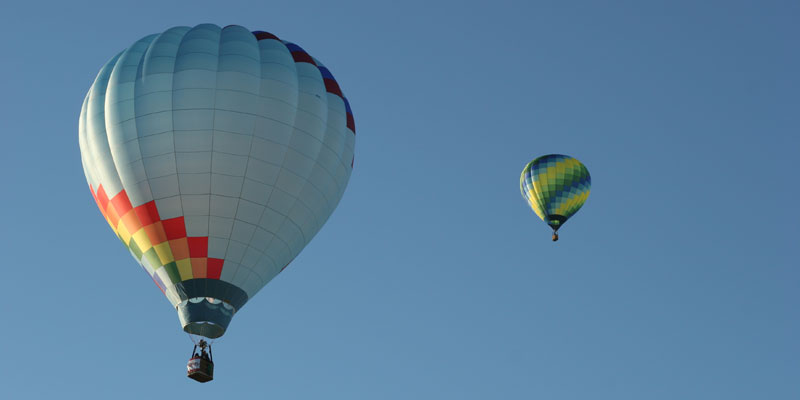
(433, 279)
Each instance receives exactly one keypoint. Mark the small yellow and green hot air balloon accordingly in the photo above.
(555, 186)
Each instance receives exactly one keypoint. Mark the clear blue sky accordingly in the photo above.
(678, 279)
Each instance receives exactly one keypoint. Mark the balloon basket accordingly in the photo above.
(200, 369)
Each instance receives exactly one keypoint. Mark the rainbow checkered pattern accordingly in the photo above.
(157, 243)
(555, 186)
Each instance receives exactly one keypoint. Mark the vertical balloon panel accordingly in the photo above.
(215, 154)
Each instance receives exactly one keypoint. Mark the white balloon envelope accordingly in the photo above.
(215, 154)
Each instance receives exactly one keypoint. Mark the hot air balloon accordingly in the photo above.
(555, 186)
(215, 154)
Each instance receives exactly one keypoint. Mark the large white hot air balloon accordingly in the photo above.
(215, 154)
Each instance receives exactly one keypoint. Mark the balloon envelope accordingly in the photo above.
(215, 154)
(555, 186)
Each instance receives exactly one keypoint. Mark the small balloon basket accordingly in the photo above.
(200, 370)
(200, 367)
